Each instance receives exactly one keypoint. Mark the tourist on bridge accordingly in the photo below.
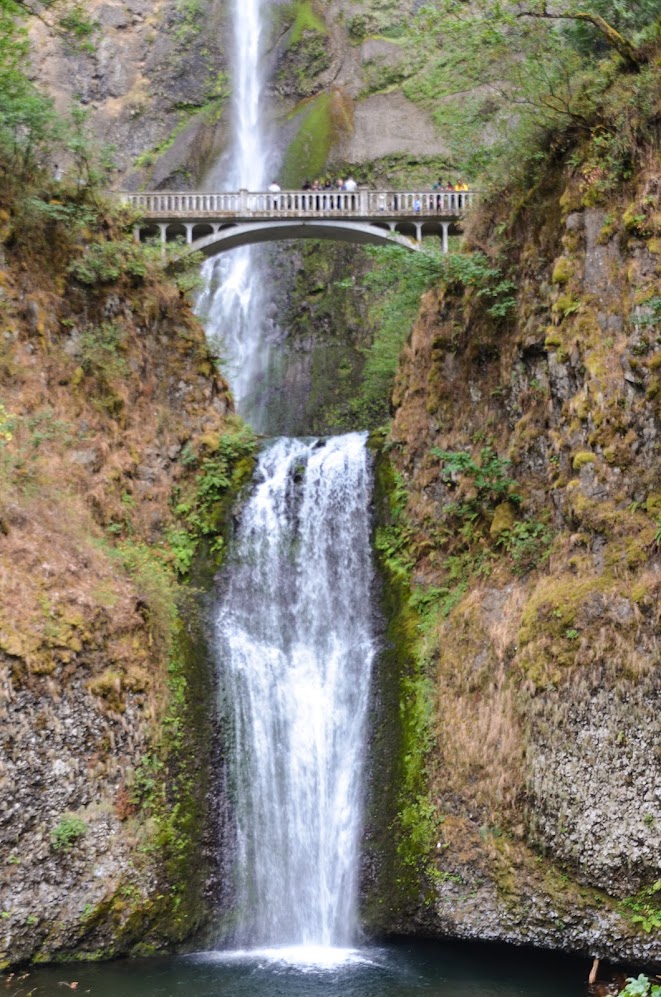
(274, 188)
(350, 185)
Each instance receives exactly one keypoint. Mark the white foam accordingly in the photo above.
(308, 958)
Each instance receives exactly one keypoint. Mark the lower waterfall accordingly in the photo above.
(295, 647)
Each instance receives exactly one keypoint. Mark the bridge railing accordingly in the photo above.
(321, 203)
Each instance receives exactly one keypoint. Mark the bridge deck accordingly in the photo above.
(215, 222)
(245, 205)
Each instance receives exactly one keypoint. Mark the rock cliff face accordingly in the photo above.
(526, 468)
(111, 413)
(156, 82)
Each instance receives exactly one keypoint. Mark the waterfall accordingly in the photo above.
(232, 303)
(296, 647)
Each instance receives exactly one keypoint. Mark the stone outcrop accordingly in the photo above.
(109, 398)
(541, 640)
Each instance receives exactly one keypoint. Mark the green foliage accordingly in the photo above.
(77, 27)
(6, 425)
(528, 543)
(487, 476)
(99, 352)
(106, 262)
(651, 313)
(640, 986)
(303, 18)
(110, 261)
(27, 119)
(69, 830)
(527, 72)
(392, 539)
(150, 569)
(201, 508)
(395, 283)
(644, 909)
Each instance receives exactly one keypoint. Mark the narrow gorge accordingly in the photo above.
(329, 572)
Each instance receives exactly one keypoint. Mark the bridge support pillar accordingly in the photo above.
(136, 233)
(163, 229)
(444, 235)
(189, 232)
(418, 232)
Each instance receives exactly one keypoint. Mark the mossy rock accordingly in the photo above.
(582, 458)
(563, 270)
(566, 305)
(209, 442)
(654, 246)
(503, 519)
(109, 686)
(553, 339)
(634, 220)
(570, 201)
(653, 504)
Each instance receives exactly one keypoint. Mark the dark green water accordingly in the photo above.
(427, 969)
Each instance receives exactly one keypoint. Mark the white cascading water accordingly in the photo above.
(296, 647)
(232, 304)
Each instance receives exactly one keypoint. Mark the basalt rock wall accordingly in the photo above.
(532, 637)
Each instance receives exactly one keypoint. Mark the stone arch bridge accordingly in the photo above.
(215, 222)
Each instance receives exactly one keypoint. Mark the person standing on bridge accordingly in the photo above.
(274, 188)
(350, 185)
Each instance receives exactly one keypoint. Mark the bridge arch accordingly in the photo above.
(211, 243)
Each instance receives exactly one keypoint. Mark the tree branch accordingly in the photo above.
(632, 57)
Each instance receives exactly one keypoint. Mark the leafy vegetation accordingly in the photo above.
(640, 986)
(200, 507)
(396, 282)
(528, 72)
(644, 909)
(65, 834)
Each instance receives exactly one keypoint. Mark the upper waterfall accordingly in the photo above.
(233, 304)
(295, 641)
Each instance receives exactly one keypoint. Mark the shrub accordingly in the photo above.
(105, 262)
(67, 832)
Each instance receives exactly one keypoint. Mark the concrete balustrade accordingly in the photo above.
(214, 222)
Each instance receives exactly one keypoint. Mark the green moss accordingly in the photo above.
(553, 606)
(562, 271)
(308, 152)
(553, 339)
(503, 519)
(566, 305)
(634, 220)
(402, 820)
(582, 458)
(653, 504)
(305, 19)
